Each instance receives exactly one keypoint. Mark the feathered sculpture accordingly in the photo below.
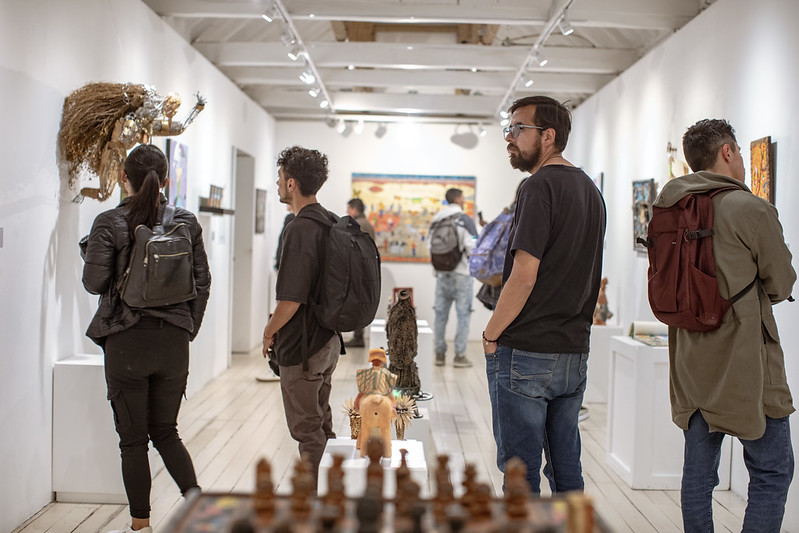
(101, 121)
(401, 334)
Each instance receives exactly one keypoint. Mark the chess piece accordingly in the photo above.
(517, 490)
(369, 509)
(444, 490)
(264, 495)
(374, 470)
(469, 477)
(335, 496)
(480, 502)
(303, 489)
(601, 312)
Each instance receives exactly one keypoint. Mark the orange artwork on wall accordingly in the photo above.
(762, 183)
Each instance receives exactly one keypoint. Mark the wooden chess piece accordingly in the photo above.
(469, 477)
(374, 470)
(480, 504)
(517, 490)
(303, 489)
(336, 496)
(264, 495)
(369, 509)
(444, 490)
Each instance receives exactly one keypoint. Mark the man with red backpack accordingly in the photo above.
(731, 380)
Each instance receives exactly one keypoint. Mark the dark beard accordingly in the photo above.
(525, 164)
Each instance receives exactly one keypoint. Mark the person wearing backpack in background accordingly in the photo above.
(306, 352)
(355, 209)
(146, 349)
(450, 239)
(731, 380)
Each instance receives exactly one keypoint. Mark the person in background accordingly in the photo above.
(355, 209)
(305, 352)
(731, 381)
(146, 350)
(455, 286)
(537, 340)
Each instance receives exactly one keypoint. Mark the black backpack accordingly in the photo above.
(445, 244)
(161, 267)
(349, 292)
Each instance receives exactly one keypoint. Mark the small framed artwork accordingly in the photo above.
(260, 210)
(178, 156)
(762, 168)
(644, 193)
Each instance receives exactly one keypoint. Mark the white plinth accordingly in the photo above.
(354, 467)
(597, 386)
(644, 446)
(420, 429)
(86, 465)
(424, 353)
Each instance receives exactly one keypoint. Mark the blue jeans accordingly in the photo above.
(768, 459)
(458, 288)
(535, 406)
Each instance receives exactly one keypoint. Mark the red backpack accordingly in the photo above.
(683, 289)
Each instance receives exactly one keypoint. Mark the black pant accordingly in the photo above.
(146, 368)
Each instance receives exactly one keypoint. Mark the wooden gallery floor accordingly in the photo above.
(235, 421)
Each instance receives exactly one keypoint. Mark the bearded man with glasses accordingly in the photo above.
(536, 342)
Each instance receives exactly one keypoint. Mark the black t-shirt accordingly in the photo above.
(559, 219)
(304, 242)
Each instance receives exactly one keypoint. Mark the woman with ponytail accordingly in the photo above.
(146, 350)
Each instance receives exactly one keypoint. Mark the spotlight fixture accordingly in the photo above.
(324, 104)
(340, 126)
(504, 122)
(358, 128)
(504, 114)
(345, 132)
(288, 39)
(267, 17)
(482, 131)
(314, 91)
(331, 122)
(381, 130)
(565, 27)
(307, 77)
(295, 52)
(541, 60)
(527, 82)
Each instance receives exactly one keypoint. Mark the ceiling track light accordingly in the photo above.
(267, 17)
(324, 104)
(541, 60)
(314, 91)
(565, 27)
(527, 81)
(307, 77)
(295, 52)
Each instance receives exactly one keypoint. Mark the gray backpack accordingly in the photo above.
(445, 244)
(161, 267)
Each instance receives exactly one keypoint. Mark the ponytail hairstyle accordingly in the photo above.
(146, 168)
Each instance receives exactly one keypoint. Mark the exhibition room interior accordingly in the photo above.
(394, 92)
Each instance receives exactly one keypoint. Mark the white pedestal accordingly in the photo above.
(354, 467)
(420, 429)
(424, 353)
(644, 446)
(86, 465)
(597, 386)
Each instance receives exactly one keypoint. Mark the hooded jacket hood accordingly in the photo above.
(698, 182)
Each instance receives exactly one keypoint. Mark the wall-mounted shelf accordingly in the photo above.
(216, 210)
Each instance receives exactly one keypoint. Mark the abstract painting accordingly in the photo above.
(644, 193)
(178, 156)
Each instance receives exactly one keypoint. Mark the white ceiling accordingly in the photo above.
(433, 60)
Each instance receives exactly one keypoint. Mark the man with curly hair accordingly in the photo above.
(305, 352)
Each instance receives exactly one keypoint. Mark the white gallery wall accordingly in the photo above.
(49, 48)
(739, 60)
(416, 149)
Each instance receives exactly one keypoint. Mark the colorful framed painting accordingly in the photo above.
(401, 207)
(762, 172)
(644, 193)
(178, 156)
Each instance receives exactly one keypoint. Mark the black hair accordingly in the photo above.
(452, 195)
(549, 113)
(702, 141)
(307, 167)
(357, 204)
(146, 169)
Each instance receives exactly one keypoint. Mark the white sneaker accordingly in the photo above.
(129, 529)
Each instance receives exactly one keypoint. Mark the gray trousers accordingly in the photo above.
(306, 401)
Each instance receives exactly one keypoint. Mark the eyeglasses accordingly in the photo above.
(516, 129)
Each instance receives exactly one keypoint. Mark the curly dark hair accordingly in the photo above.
(702, 141)
(549, 113)
(307, 167)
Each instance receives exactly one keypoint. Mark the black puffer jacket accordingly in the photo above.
(107, 256)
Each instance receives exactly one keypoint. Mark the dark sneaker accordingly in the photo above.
(461, 361)
(440, 359)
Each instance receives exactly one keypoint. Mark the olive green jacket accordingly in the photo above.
(735, 375)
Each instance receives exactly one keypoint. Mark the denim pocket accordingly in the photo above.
(531, 373)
